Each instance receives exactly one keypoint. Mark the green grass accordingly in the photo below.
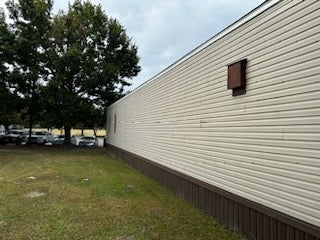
(89, 195)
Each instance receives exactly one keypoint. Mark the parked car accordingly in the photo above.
(40, 138)
(47, 137)
(14, 136)
(74, 140)
(2, 135)
(58, 140)
(87, 141)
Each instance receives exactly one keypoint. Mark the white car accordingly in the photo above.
(42, 137)
(87, 141)
(83, 141)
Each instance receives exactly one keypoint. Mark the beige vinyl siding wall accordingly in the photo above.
(264, 145)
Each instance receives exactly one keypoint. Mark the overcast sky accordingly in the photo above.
(166, 30)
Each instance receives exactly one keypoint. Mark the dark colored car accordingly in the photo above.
(58, 140)
(14, 136)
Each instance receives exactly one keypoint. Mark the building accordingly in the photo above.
(234, 126)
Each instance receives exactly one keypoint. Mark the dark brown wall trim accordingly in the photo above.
(251, 219)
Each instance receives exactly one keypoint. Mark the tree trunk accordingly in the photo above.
(31, 110)
(30, 122)
(67, 134)
(6, 127)
(30, 126)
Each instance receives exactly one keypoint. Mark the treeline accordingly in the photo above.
(63, 69)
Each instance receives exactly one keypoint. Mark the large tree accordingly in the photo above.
(11, 103)
(30, 25)
(67, 68)
(92, 60)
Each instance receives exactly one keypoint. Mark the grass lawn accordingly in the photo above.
(52, 193)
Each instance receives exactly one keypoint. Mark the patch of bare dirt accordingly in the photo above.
(35, 194)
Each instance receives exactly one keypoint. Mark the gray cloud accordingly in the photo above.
(167, 30)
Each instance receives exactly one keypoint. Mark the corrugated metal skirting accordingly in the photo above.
(254, 221)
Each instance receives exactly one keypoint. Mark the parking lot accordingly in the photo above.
(49, 138)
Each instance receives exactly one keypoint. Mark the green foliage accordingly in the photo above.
(66, 67)
(30, 26)
(10, 108)
(11, 104)
(93, 56)
(28, 30)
